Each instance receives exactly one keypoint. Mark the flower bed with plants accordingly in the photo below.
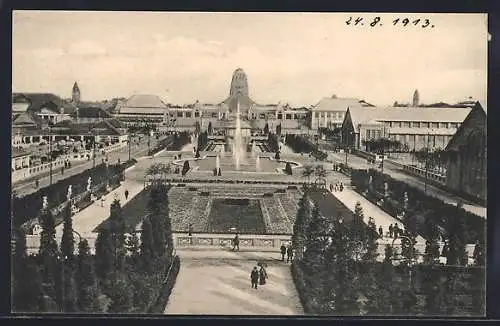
(424, 207)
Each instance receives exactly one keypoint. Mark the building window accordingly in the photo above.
(453, 125)
(415, 124)
(196, 114)
(434, 125)
(443, 125)
(188, 114)
(214, 114)
(405, 124)
(179, 114)
(424, 124)
(288, 117)
(280, 116)
(262, 116)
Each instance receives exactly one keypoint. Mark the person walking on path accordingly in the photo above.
(236, 242)
(391, 230)
(381, 231)
(126, 194)
(289, 254)
(37, 183)
(62, 170)
(262, 274)
(283, 252)
(103, 199)
(254, 277)
(396, 231)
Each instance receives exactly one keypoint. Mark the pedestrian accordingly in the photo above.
(396, 231)
(190, 229)
(254, 277)
(62, 170)
(341, 187)
(380, 231)
(69, 164)
(283, 252)
(126, 194)
(37, 183)
(262, 274)
(289, 253)
(103, 199)
(391, 230)
(236, 242)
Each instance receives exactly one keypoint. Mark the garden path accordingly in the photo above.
(217, 282)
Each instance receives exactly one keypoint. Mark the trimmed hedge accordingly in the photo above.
(425, 207)
(28, 207)
(161, 303)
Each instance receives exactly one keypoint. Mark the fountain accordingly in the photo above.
(257, 163)
(238, 146)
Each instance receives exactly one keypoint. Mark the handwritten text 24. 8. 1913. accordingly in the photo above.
(377, 21)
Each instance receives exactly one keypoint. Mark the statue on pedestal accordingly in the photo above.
(45, 203)
(70, 191)
(386, 189)
(405, 200)
(89, 182)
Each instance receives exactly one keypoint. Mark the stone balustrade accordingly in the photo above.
(225, 240)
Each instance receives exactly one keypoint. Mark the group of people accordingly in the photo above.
(288, 251)
(258, 276)
(395, 231)
(339, 186)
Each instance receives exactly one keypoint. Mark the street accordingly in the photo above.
(25, 187)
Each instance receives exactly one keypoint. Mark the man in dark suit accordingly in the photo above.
(254, 277)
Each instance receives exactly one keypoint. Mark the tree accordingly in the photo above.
(104, 253)
(185, 168)
(320, 172)
(156, 209)
(210, 129)
(299, 227)
(457, 254)
(121, 295)
(431, 255)
(308, 171)
(133, 248)
(288, 168)
(147, 244)
(117, 231)
(48, 252)
(87, 291)
(67, 240)
(266, 129)
(357, 227)
(433, 289)
(316, 238)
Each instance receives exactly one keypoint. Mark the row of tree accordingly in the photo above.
(338, 271)
(126, 273)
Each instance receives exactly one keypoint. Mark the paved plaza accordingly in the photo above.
(217, 282)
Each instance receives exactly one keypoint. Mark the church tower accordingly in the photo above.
(416, 98)
(75, 94)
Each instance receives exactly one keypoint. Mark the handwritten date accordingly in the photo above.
(377, 21)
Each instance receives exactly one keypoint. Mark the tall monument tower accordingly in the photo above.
(75, 94)
(239, 83)
(416, 98)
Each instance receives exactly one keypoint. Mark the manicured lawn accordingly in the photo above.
(243, 214)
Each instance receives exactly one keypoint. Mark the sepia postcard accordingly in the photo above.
(224, 163)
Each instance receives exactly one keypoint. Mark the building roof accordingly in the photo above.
(104, 127)
(26, 119)
(336, 104)
(364, 115)
(91, 112)
(232, 101)
(18, 152)
(144, 101)
(474, 120)
(40, 100)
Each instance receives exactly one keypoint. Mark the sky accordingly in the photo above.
(295, 58)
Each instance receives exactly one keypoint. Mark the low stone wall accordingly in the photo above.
(225, 240)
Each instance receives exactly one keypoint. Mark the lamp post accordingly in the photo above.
(91, 134)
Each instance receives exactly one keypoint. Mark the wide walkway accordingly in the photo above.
(217, 282)
(396, 173)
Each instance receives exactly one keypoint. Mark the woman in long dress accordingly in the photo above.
(262, 275)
